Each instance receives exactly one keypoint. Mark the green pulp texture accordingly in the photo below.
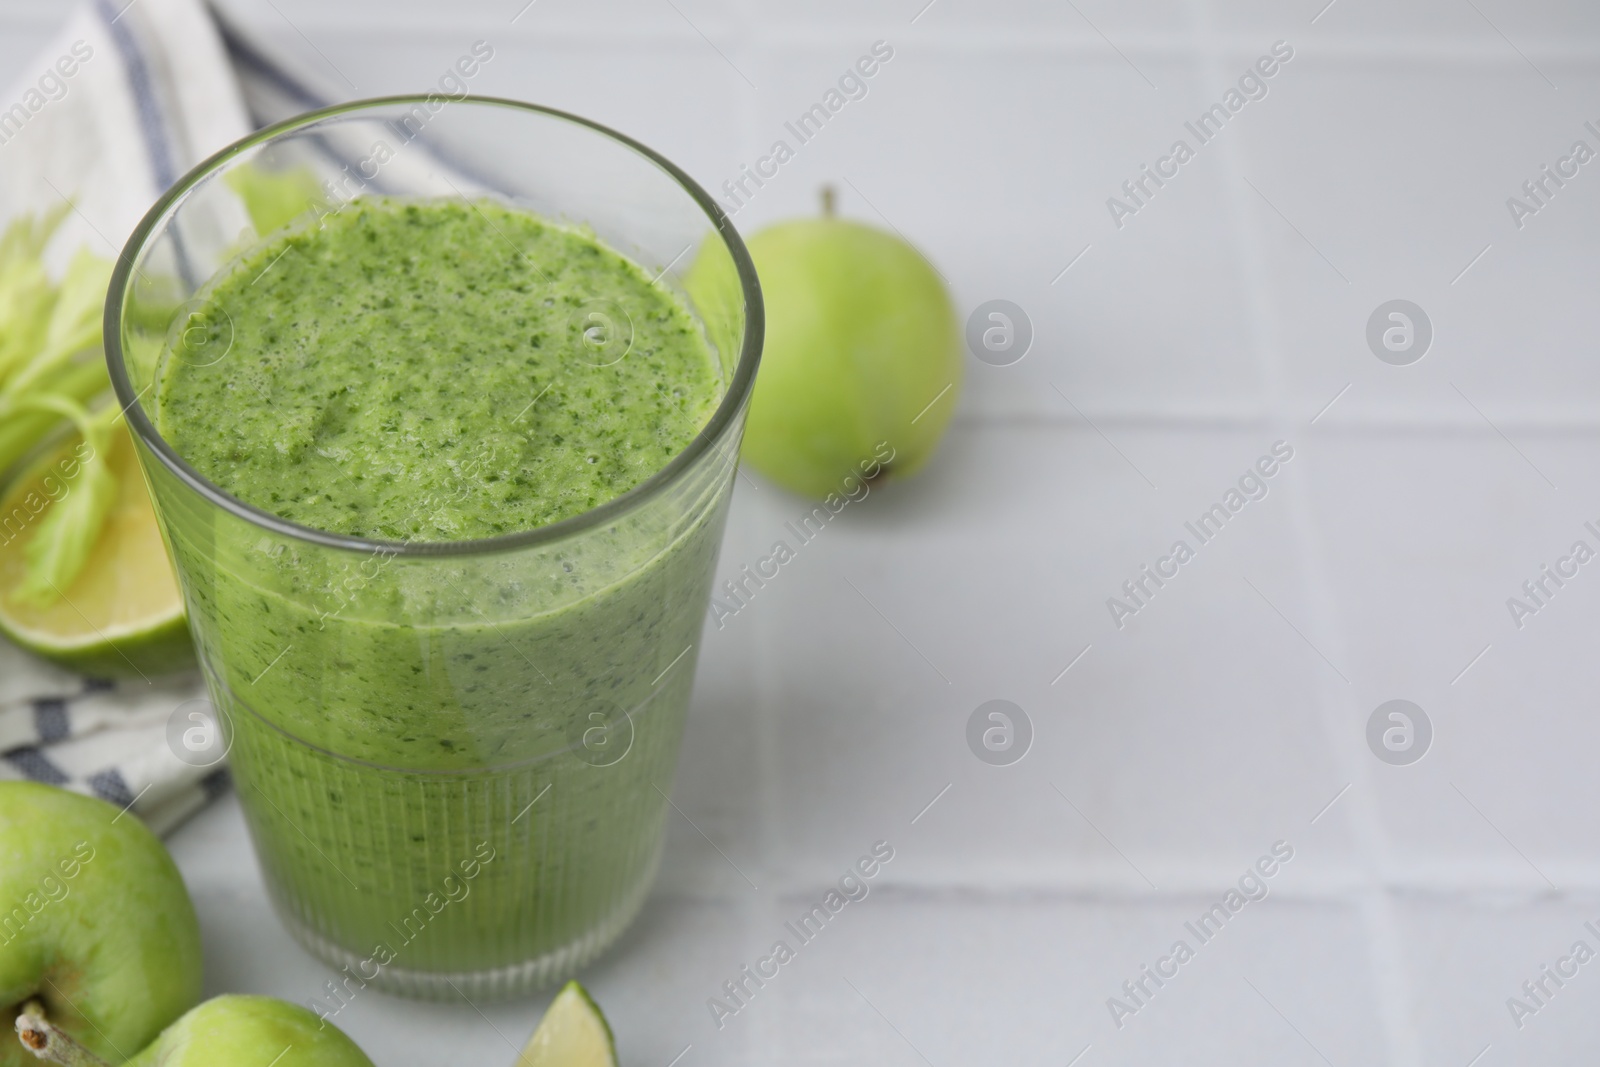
(430, 371)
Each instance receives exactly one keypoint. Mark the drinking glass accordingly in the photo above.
(453, 757)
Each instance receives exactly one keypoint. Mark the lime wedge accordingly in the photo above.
(573, 1033)
(122, 615)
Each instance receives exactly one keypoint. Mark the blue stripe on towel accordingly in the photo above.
(50, 720)
(109, 786)
(244, 53)
(152, 123)
(35, 767)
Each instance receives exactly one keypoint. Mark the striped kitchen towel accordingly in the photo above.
(122, 742)
(125, 100)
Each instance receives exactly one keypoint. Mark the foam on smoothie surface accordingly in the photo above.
(418, 370)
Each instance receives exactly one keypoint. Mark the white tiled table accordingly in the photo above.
(1226, 715)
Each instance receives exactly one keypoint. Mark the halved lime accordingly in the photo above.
(122, 615)
(573, 1033)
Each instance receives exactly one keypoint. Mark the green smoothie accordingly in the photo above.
(450, 764)
(427, 372)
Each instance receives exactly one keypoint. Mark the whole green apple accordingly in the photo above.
(95, 922)
(241, 1031)
(862, 358)
(225, 1031)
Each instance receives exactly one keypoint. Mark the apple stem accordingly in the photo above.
(49, 1042)
(829, 196)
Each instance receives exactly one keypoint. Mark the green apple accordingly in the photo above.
(862, 358)
(573, 1033)
(95, 923)
(226, 1031)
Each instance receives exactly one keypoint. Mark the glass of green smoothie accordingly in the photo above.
(439, 402)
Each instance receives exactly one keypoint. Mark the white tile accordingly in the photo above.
(1395, 176)
(1471, 958)
(1423, 541)
(1183, 736)
(1028, 979)
(418, 18)
(1091, 18)
(1421, 25)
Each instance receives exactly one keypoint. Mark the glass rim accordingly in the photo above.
(733, 399)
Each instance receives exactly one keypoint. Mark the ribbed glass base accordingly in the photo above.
(499, 983)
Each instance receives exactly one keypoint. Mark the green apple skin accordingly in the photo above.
(861, 338)
(95, 923)
(251, 1031)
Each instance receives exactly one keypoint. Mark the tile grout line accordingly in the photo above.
(1393, 988)
(1221, 420)
(1198, 884)
(965, 38)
